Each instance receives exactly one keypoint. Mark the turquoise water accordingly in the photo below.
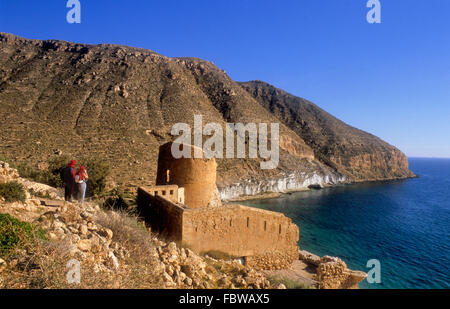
(404, 224)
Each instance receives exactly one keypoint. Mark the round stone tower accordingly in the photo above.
(196, 176)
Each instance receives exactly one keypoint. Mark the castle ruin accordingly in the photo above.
(185, 207)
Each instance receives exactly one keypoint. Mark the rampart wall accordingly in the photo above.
(267, 240)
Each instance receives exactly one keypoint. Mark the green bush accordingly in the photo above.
(97, 168)
(50, 177)
(55, 165)
(118, 200)
(98, 171)
(12, 192)
(26, 171)
(15, 234)
(39, 194)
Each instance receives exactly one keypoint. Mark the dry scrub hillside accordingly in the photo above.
(119, 103)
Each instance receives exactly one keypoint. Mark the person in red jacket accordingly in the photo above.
(81, 179)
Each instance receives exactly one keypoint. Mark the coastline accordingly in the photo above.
(309, 268)
(273, 195)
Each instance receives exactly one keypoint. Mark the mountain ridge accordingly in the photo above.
(119, 103)
(332, 139)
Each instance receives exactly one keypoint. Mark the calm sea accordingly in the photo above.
(404, 224)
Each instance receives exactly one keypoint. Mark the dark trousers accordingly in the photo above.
(68, 192)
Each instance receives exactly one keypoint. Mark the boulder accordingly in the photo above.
(3, 265)
(85, 245)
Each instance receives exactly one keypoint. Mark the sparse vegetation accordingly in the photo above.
(97, 168)
(39, 194)
(119, 199)
(289, 283)
(55, 166)
(50, 176)
(12, 192)
(126, 228)
(44, 264)
(16, 234)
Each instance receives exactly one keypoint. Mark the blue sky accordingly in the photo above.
(390, 79)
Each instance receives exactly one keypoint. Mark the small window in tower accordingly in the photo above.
(279, 229)
(265, 225)
(248, 222)
(164, 192)
(171, 192)
(231, 222)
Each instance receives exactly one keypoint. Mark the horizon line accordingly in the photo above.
(424, 157)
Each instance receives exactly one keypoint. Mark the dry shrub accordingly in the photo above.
(39, 266)
(127, 230)
(43, 265)
(142, 259)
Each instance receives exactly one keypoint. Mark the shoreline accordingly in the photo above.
(306, 268)
(273, 195)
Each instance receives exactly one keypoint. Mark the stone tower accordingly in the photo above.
(196, 176)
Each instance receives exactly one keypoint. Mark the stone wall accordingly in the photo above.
(164, 217)
(272, 260)
(171, 192)
(332, 273)
(268, 239)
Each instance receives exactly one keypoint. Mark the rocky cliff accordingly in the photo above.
(120, 103)
(357, 154)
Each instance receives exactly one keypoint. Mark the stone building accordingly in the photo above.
(185, 207)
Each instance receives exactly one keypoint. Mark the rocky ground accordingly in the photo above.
(113, 248)
(116, 250)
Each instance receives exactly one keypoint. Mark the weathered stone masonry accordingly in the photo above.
(266, 239)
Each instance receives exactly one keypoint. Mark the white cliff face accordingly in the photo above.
(291, 182)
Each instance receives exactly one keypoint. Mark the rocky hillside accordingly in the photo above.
(42, 233)
(114, 249)
(119, 103)
(359, 155)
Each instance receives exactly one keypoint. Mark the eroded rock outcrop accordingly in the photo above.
(300, 180)
(332, 272)
(352, 152)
